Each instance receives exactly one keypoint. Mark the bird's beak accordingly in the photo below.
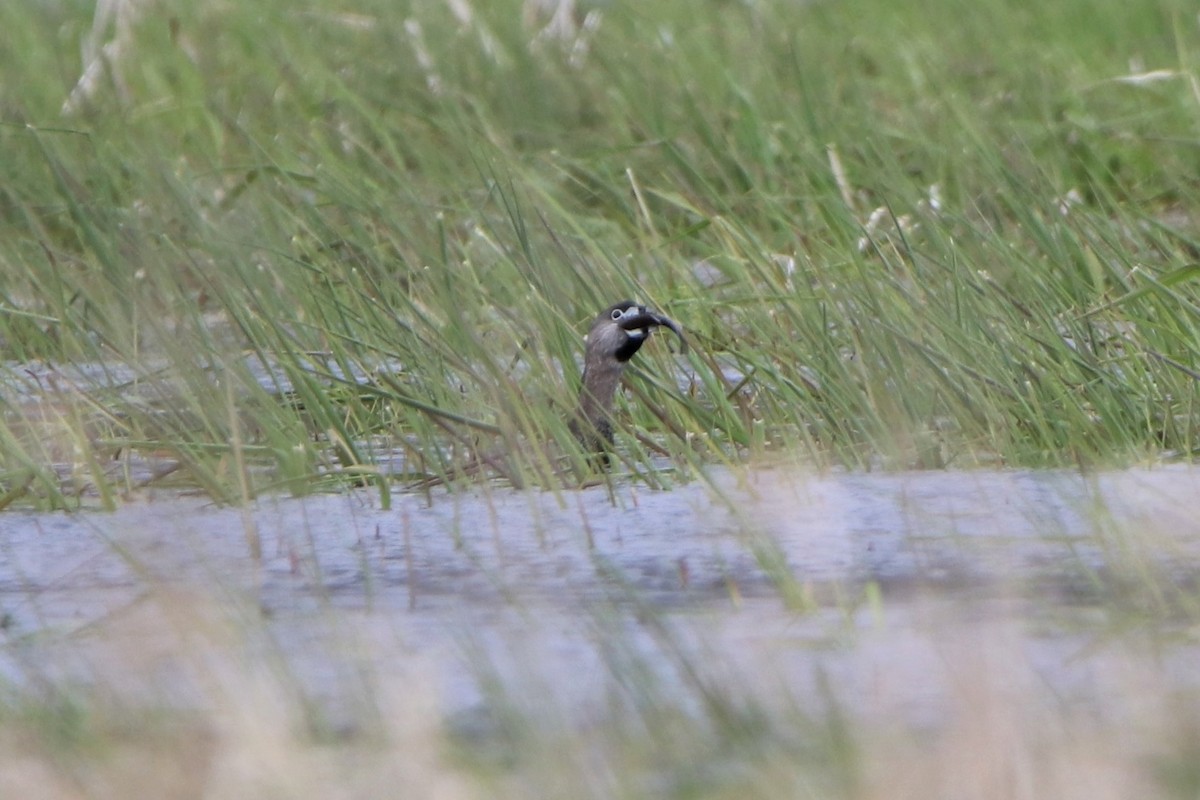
(646, 319)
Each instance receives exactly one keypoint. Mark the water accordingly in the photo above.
(779, 583)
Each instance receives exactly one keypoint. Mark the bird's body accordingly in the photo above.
(613, 339)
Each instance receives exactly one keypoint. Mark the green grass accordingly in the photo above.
(934, 234)
(297, 248)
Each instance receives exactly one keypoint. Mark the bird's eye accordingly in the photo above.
(617, 313)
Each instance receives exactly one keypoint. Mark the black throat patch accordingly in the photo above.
(631, 346)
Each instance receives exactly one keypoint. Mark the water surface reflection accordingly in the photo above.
(882, 589)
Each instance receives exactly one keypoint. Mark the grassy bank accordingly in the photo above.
(898, 234)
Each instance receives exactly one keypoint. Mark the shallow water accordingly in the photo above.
(784, 584)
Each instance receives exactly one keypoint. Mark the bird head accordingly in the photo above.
(621, 329)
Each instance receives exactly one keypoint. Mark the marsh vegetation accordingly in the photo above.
(304, 241)
(275, 257)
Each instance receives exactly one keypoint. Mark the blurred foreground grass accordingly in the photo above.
(967, 702)
(295, 245)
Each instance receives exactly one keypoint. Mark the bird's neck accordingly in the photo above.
(600, 383)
